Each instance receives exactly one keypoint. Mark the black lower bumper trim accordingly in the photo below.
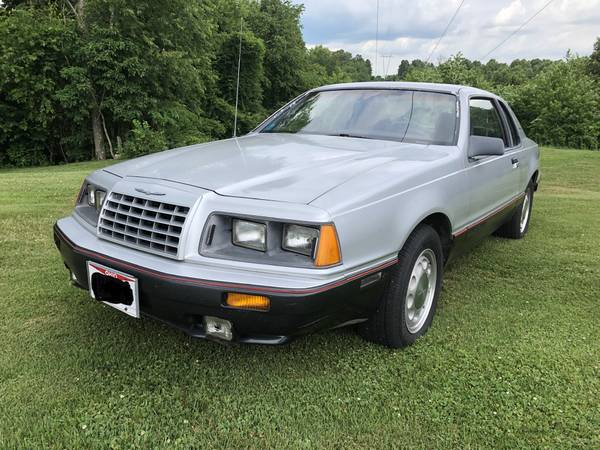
(183, 305)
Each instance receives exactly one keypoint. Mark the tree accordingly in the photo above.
(35, 127)
(403, 69)
(142, 66)
(595, 60)
(557, 102)
(251, 80)
(327, 67)
(277, 23)
(92, 78)
(561, 106)
(459, 70)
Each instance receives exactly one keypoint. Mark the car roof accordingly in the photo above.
(436, 87)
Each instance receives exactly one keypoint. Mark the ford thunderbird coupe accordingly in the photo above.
(342, 208)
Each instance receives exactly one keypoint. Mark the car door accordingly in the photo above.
(518, 159)
(493, 180)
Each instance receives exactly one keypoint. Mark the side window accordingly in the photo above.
(516, 139)
(485, 120)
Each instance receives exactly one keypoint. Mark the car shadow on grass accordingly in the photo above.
(103, 341)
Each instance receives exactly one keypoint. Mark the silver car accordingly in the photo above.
(341, 208)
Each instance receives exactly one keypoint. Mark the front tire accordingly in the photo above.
(408, 304)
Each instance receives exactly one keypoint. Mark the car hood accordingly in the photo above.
(280, 167)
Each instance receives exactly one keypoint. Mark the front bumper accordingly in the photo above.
(183, 301)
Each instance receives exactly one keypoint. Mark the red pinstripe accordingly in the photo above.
(489, 215)
(225, 285)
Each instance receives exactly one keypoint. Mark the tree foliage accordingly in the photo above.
(35, 126)
(557, 102)
(328, 67)
(595, 59)
(94, 78)
(277, 23)
(560, 106)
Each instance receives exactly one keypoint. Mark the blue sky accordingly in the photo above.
(409, 29)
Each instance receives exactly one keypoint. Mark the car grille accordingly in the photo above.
(145, 224)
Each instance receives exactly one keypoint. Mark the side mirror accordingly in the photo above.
(485, 146)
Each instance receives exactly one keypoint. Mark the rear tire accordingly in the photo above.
(407, 307)
(518, 224)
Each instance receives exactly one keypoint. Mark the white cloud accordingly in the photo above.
(408, 29)
(510, 13)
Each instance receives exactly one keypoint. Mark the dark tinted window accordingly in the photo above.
(392, 114)
(485, 120)
(511, 125)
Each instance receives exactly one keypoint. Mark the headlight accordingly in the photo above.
(270, 241)
(100, 197)
(300, 239)
(95, 197)
(91, 195)
(250, 234)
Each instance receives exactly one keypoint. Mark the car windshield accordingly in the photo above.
(398, 115)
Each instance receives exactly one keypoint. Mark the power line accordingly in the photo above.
(376, 37)
(517, 30)
(445, 31)
(386, 66)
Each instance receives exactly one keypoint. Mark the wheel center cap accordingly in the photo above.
(421, 291)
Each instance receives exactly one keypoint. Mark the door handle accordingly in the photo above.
(515, 162)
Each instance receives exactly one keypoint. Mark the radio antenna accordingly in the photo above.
(237, 86)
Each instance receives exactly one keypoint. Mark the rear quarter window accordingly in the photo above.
(512, 127)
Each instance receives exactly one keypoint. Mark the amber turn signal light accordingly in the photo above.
(328, 249)
(247, 301)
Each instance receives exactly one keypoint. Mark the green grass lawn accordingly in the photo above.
(512, 359)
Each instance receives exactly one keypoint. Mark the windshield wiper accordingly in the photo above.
(358, 136)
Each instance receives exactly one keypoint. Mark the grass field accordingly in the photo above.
(512, 360)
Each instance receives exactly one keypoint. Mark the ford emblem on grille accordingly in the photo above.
(147, 192)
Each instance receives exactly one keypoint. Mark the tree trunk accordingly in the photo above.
(79, 13)
(97, 132)
(97, 122)
(110, 147)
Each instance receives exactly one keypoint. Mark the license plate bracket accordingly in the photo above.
(114, 288)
